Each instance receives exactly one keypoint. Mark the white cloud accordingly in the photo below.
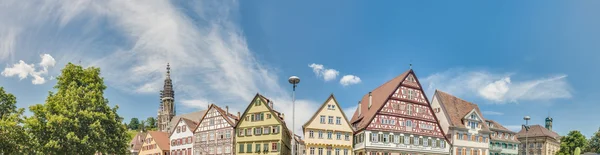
(328, 74)
(350, 111)
(349, 80)
(492, 113)
(498, 88)
(24, 70)
(208, 52)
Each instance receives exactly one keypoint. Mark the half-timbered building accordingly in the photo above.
(396, 119)
(215, 133)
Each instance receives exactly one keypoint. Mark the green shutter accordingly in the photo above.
(252, 117)
(278, 147)
(241, 150)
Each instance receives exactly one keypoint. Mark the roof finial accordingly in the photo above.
(168, 70)
(410, 66)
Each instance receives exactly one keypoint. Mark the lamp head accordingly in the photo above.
(294, 80)
(526, 118)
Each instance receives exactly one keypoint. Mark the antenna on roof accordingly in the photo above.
(410, 66)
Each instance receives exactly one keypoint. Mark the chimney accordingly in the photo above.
(359, 109)
(209, 106)
(271, 104)
(227, 109)
(282, 116)
(239, 116)
(370, 100)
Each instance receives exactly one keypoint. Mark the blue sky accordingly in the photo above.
(512, 58)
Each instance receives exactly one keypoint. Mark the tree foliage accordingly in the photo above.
(134, 124)
(77, 119)
(594, 143)
(573, 140)
(13, 139)
(150, 123)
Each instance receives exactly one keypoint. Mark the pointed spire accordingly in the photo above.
(410, 66)
(168, 71)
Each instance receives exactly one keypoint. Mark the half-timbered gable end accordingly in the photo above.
(215, 133)
(396, 118)
(262, 130)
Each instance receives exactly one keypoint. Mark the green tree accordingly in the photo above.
(134, 124)
(77, 119)
(577, 151)
(594, 143)
(13, 139)
(143, 126)
(150, 123)
(573, 140)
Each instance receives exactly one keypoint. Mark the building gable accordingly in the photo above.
(218, 120)
(261, 103)
(329, 108)
(189, 125)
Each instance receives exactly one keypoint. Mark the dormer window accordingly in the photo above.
(473, 117)
(473, 125)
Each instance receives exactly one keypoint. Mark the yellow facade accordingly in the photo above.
(328, 131)
(151, 147)
(261, 130)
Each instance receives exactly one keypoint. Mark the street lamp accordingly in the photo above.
(526, 126)
(294, 80)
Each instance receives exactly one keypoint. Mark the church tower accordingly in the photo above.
(166, 111)
(549, 123)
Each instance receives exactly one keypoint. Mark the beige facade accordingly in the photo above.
(155, 143)
(328, 131)
(538, 141)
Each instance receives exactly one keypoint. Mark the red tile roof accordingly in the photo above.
(137, 141)
(498, 127)
(379, 96)
(161, 139)
(457, 109)
(538, 131)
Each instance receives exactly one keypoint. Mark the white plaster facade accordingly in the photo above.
(181, 138)
(401, 143)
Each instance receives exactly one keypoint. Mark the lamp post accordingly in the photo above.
(526, 118)
(294, 80)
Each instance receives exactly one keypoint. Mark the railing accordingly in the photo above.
(495, 148)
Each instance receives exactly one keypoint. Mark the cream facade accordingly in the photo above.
(155, 143)
(462, 121)
(328, 132)
(261, 130)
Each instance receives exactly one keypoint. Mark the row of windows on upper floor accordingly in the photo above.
(471, 137)
(212, 135)
(503, 145)
(328, 151)
(275, 147)
(504, 135)
(338, 120)
(258, 131)
(311, 134)
(407, 123)
(260, 116)
(401, 139)
(181, 141)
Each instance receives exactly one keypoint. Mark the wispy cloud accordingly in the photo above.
(327, 74)
(24, 70)
(208, 52)
(349, 80)
(492, 113)
(499, 88)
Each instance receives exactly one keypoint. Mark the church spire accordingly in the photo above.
(168, 71)
(167, 103)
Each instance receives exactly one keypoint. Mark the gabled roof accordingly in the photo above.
(538, 131)
(498, 127)
(194, 116)
(161, 139)
(379, 97)
(457, 109)
(273, 112)
(331, 97)
(230, 118)
(191, 125)
(137, 141)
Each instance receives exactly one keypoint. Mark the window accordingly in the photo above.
(443, 144)
(337, 151)
(409, 111)
(311, 134)
(320, 151)
(178, 129)
(204, 136)
(329, 134)
(275, 129)
(312, 151)
(227, 149)
(416, 140)
(321, 134)
(274, 147)
(322, 119)
(330, 119)
(410, 94)
(406, 140)
(338, 120)
(219, 150)
(248, 148)
(227, 134)
(211, 135)
(345, 151)
(384, 137)
(257, 147)
(268, 116)
(347, 137)
(374, 137)
(408, 123)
